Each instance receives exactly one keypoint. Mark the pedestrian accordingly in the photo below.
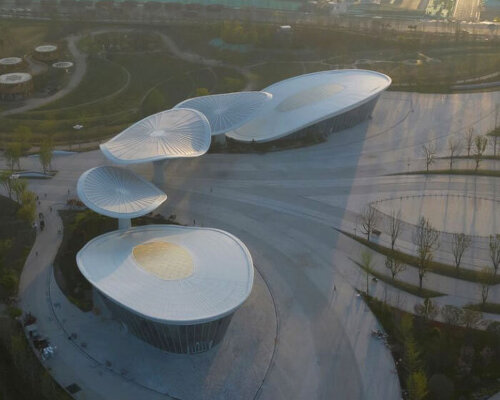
(50, 208)
(45, 195)
(36, 253)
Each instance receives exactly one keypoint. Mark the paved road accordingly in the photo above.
(285, 206)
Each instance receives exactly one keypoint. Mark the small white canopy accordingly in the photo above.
(228, 111)
(118, 193)
(46, 48)
(169, 134)
(14, 78)
(10, 60)
(211, 271)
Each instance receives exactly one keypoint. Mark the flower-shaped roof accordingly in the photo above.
(227, 111)
(169, 134)
(117, 192)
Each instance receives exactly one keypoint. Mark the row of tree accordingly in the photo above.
(20, 148)
(17, 189)
(426, 240)
(475, 145)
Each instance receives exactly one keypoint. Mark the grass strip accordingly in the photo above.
(479, 172)
(435, 267)
(491, 308)
(406, 287)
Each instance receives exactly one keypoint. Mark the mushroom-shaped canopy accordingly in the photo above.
(118, 193)
(227, 111)
(14, 78)
(169, 134)
(10, 60)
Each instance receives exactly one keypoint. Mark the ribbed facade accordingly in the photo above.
(182, 339)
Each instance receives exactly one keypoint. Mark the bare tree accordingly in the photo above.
(486, 278)
(395, 266)
(367, 265)
(480, 143)
(6, 182)
(496, 130)
(495, 251)
(455, 147)
(459, 243)
(429, 151)
(452, 315)
(426, 239)
(428, 310)
(394, 227)
(469, 140)
(368, 220)
(470, 318)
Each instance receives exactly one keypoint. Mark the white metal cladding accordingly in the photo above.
(228, 111)
(118, 192)
(168, 134)
(222, 279)
(308, 99)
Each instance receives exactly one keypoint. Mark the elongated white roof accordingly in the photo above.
(63, 64)
(46, 48)
(168, 134)
(14, 78)
(168, 273)
(10, 60)
(118, 192)
(228, 111)
(308, 99)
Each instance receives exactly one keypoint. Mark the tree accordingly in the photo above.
(426, 239)
(367, 265)
(486, 278)
(470, 318)
(480, 143)
(395, 266)
(13, 153)
(417, 385)
(459, 243)
(6, 182)
(27, 211)
(469, 140)
(429, 153)
(45, 154)
(428, 310)
(455, 147)
(452, 315)
(394, 227)
(19, 187)
(368, 220)
(495, 251)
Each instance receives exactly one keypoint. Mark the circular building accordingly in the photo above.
(118, 193)
(46, 52)
(228, 111)
(174, 287)
(11, 64)
(321, 102)
(15, 85)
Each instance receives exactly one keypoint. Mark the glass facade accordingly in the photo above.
(183, 339)
(339, 122)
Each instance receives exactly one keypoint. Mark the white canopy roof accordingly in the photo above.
(14, 78)
(46, 48)
(168, 134)
(63, 64)
(118, 192)
(227, 111)
(307, 99)
(10, 60)
(220, 281)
